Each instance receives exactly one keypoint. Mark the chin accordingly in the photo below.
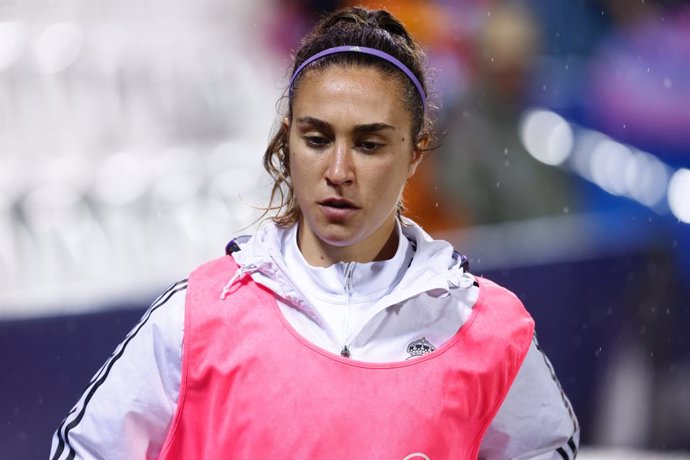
(338, 239)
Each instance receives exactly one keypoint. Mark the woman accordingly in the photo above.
(340, 329)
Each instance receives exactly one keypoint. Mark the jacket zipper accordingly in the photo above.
(349, 269)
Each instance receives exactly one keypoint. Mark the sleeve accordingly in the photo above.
(535, 401)
(127, 407)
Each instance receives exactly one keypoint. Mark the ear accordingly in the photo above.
(418, 154)
(285, 133)
(285, 126)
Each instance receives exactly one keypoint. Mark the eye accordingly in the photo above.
(370, 146)
(316, 141)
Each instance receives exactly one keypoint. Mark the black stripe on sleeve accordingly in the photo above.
(564, 455)
(573, 446)
(63, 431)
(566, 402)
(563, 452)
(564, 398)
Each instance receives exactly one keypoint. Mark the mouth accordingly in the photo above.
(338, 203)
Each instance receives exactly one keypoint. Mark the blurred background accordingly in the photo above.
(131, 136)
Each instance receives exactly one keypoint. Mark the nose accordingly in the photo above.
(340, 169)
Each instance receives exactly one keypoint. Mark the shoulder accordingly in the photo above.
(494, 292)
(236, 254)
(214, 267)
(170, 295)
(160, 328)
(211, 276)
(502, 302)
(163, 323)
(500, 315)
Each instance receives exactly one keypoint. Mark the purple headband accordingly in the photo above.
(365, 50)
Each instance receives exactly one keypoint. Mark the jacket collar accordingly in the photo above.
(434, 267)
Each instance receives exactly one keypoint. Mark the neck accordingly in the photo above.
(318, 253)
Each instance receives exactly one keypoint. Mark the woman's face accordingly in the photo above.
(351, 152)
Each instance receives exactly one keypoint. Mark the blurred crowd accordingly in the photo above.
(130, 142)
(131, 134)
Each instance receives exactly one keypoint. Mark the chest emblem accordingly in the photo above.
(419, 347)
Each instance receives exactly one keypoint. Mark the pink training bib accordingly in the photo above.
(253, 388)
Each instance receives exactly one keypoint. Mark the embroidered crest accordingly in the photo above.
(420, 347)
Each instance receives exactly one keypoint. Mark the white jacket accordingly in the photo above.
(372, 312)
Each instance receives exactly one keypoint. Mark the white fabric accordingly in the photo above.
(421, 292)
(365, 320)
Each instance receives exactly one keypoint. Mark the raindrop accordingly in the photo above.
(505, 151)
(566, 210)
(597, 352)
(498, 184)
(506, 163)
(437, 204)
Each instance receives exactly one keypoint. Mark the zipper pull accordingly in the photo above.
(345, 352)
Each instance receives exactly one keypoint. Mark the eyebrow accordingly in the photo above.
(359, 129)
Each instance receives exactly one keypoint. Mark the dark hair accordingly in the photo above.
(353, 26)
